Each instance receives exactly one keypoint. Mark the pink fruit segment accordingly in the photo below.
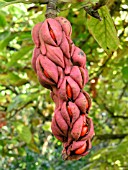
(35, 34)
(61, 76)
(79, 57)
(66, 26)
(76, 76)
(55, 54)
(74, 86)
(57, 29)
(75, 112)
(82, 102)
(65, 46)
(42, 45)
(77, 128)
(48, 66)
(65, 114)
(68, 66)
(56, 130)
(61, 123)
(36, 53)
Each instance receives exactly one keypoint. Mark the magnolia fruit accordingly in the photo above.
(61, 67)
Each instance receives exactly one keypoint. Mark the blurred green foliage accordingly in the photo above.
(26, 142)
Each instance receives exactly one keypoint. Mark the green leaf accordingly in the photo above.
(12, 79)
(7, 39)
(2, 20)
(23, 132)
(22, 53)
(8, 2)
(33, 147)
(125, 73)
(3, 35)
(104, 31)
(47, 126)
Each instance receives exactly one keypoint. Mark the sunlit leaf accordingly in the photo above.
(23, 132)
(125, 73)
(22, 53)
(12, 79)
(104, 31)
(2, 20)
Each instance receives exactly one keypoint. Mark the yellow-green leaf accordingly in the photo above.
(104, 31)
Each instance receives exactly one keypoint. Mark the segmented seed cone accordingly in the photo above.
(61, 67)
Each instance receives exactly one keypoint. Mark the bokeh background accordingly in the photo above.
(26, 109)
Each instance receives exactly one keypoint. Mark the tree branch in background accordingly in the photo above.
(93, 11)
(99, 72)
(111, 136)
(17, 110)
(123, 91)
(110, 111)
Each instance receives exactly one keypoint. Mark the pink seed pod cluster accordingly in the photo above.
(61, 67)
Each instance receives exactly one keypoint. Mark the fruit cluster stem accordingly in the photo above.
(51, 11)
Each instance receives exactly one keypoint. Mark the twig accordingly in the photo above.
(100, 69)
(17, 110)
(111, 136)
(123, 91)
(109, 110)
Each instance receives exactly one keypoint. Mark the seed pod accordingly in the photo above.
(90, 132)
(55, 54)
(74, 87)
(83, 102)
(61, 76)
(84, 119)
(42, 77)
(36, 53)
(77, 76)
(66, 26)
(51, 32)
(79, 57)
(65, 46)
(68, 66)
(61, 123)
(35, 34)
(42, 45)
(77, 128)
(45, 64)
(56, 130)
(75, 112)
(65, 114)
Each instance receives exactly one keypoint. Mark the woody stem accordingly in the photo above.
(51, 11)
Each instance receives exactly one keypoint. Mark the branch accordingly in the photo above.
(123, 91)
(93, 10)
(51, 11)
(98, 73)
(111, 136)
(17, 110)
(110, 111)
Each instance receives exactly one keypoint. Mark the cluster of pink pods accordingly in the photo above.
(61, 67)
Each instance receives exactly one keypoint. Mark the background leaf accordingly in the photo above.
(104, 31)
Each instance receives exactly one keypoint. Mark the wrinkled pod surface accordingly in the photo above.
(61, 67)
